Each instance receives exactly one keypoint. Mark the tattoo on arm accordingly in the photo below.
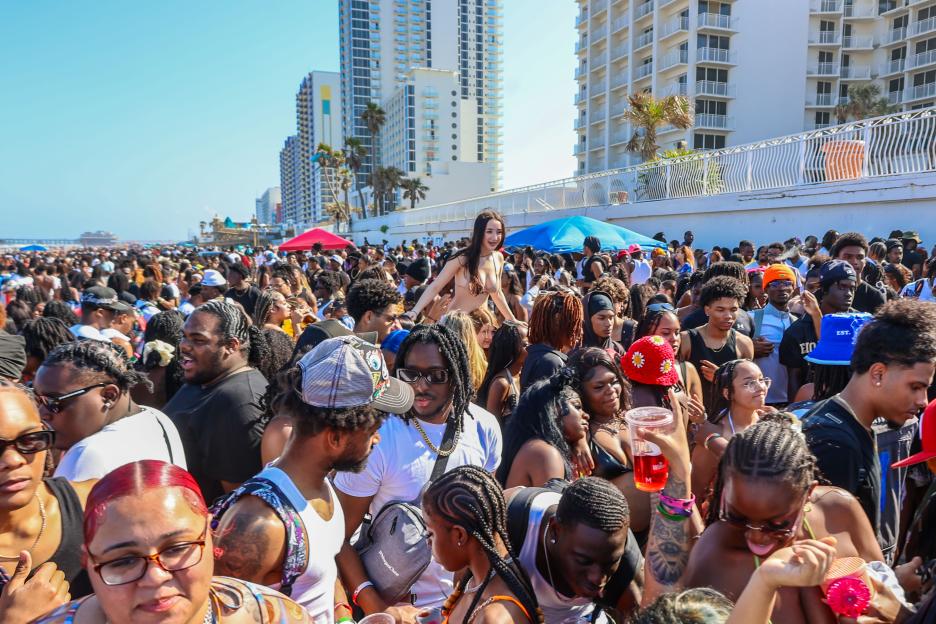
(240, 548)
(668, 547)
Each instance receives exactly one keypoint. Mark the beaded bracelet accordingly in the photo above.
(670, 516)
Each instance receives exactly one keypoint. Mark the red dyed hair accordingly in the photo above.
(134, 479)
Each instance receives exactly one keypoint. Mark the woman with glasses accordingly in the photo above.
(84, 392)
(146, 534)
(767, 498)
(741, 393)
(41, 517)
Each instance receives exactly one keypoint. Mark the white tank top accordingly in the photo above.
(557, 609)
(315, 589)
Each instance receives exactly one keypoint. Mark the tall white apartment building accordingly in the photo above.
(318, 120)
(383, 40)
(267, 204)
(753, 69)
(290, 179)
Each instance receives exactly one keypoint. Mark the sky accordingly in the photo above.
(144, 118)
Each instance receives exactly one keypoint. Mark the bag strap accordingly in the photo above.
(438, 469)
(758, 316)
(165, 438)
(518, 516)
(919, 288)
(297, 553)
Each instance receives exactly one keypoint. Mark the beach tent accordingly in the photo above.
(306, 240)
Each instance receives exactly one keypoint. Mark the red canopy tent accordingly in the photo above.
(306, 240)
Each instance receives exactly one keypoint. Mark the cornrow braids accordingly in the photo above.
(594, 502)
(234, 324)
(556, 319)
(768, 449)
(456, 361)
(469, 497)
(43, 334)
(724, 380)
(99, 357)
(265, 303)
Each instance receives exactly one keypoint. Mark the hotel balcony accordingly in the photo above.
(826, 38)
(897, 66)
(922, 59)
(713, 88)
(620, 23)
(823, 69)
(674, 59)
(821, 100)
(922, 27)
(643, 71)
(825, 6)
(644, 9)
(920, 92)
(644, 40)
(895, 36)
(715, 21)
(855, 72)
(857, 43)
(715, 55)
(675, 25)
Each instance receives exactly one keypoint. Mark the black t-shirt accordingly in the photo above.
(911, 258)
(868, 298)
(247, 298)
(798, 341)
(846, 453)
(588, 272)
(744, 324)
(220, 427)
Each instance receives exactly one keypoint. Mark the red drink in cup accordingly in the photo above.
(650, 467)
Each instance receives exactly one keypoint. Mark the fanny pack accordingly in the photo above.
(394, 545)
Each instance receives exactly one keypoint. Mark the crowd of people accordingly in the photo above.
(439, 433)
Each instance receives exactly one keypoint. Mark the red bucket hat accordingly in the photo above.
(651, 361)
(927, 437)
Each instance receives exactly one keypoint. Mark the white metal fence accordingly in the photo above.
(903, 143)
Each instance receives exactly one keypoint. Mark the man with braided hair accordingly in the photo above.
(577, 548)
(443, 423)
(218, 411)
(83, 390)
(332, 431)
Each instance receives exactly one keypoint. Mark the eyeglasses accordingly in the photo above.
(779, 531)
(175, 558)
(54, 404)
(436, 376)
(780, 284)
(30, 443)
(752, 385)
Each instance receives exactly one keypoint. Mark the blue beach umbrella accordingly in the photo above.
(568, 234)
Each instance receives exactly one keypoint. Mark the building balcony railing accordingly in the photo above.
(823, 69)
(715, 20)
(598, 88)
(578, 123)
(922, 27)
(620, 23)
(597, 116)
(922, 59)
(895, 97)
(674, 58)
(825, 6)
(826, 37)
(644, 39)
(853, 12)
(580, 97)
(581, 18)
(675, 25)
(821, 100)
(921, 92)
(619, 80)
(618, 109)
(580, 72)
(618, 52)
(579, 148)
(643, 71)
(713, 88)
(895, 66)
(679, 88)
(714, 55)
(714, 122)
(900, 144)
(644, 9)
(855, 72)
(599, 33)
(895, 35)
(857, 43)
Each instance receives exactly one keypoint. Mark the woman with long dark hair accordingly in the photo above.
(499, 389)
(476, 270)
(548, 421)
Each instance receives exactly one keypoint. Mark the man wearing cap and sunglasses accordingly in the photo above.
(337, 396)
(99, 305)
(770, 323)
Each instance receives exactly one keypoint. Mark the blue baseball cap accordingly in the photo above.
(394, 339)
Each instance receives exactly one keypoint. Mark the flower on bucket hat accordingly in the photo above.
(651, 361)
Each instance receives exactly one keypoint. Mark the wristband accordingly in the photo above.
(708, 439)
(357, 592)
(344, 619)
(678, 506)
(346, 606)
(669, 516)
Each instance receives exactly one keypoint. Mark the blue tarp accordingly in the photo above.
(568, 234)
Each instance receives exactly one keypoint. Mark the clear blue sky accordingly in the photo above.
(144, 118)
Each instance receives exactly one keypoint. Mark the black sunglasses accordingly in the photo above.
(54, 404)
(30, 443)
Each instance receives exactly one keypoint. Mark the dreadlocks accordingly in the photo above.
(556, 319)
(44, 334)
(62, 311)
(233, 324)
(829, 380)
(97, 357)
(456, 361)
(594, 502)
(768, 449)
(469, 497)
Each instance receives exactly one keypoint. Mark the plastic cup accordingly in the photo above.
(378, 618)
(651, 468)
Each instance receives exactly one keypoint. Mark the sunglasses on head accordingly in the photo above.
(661, 307)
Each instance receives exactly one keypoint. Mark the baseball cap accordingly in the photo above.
(891, 243)
(348, 372)
(394, 339)
(927, 437)
(336, 258)
(103, 297)
(316, 333)
(835, 271)
(213, 278)
(633, 248)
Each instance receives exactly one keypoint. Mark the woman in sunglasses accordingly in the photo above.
(41, 518)
(84, 392)
(766, 498)
(146, 535)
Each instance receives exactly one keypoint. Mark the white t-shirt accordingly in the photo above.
(926, 292)
(400, 466)
(141, 436)
(88, 332)
(641, 273)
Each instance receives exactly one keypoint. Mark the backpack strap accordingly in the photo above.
(918, 288)
(518, 510)
(297, 555)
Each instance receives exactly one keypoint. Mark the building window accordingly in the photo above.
(708, 141)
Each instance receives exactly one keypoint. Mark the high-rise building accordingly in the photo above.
(266, 205)
(318, 120)
(383, 40)
(752, 69)
(290, 176)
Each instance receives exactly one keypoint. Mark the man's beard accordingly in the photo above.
(351, 463)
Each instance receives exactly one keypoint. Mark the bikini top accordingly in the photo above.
(607, 465)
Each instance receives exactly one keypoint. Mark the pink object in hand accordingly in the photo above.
(847, 587)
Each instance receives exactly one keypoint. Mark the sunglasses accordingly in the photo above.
(779, 531)
(54, 404)
(436, 376)
(30, 443)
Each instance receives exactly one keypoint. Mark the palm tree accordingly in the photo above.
(413, 190)
(864, 100)
(355, 153)
(647, 114)
(337, 177)
(386, 181)
(374, 118)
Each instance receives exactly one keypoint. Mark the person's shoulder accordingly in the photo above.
(501, 612)
(276, 607)
(538, 450)
(486, 420)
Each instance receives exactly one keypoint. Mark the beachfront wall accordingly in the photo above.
(871, 176)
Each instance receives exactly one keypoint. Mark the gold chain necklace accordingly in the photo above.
(433, 447)
(42, 514)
